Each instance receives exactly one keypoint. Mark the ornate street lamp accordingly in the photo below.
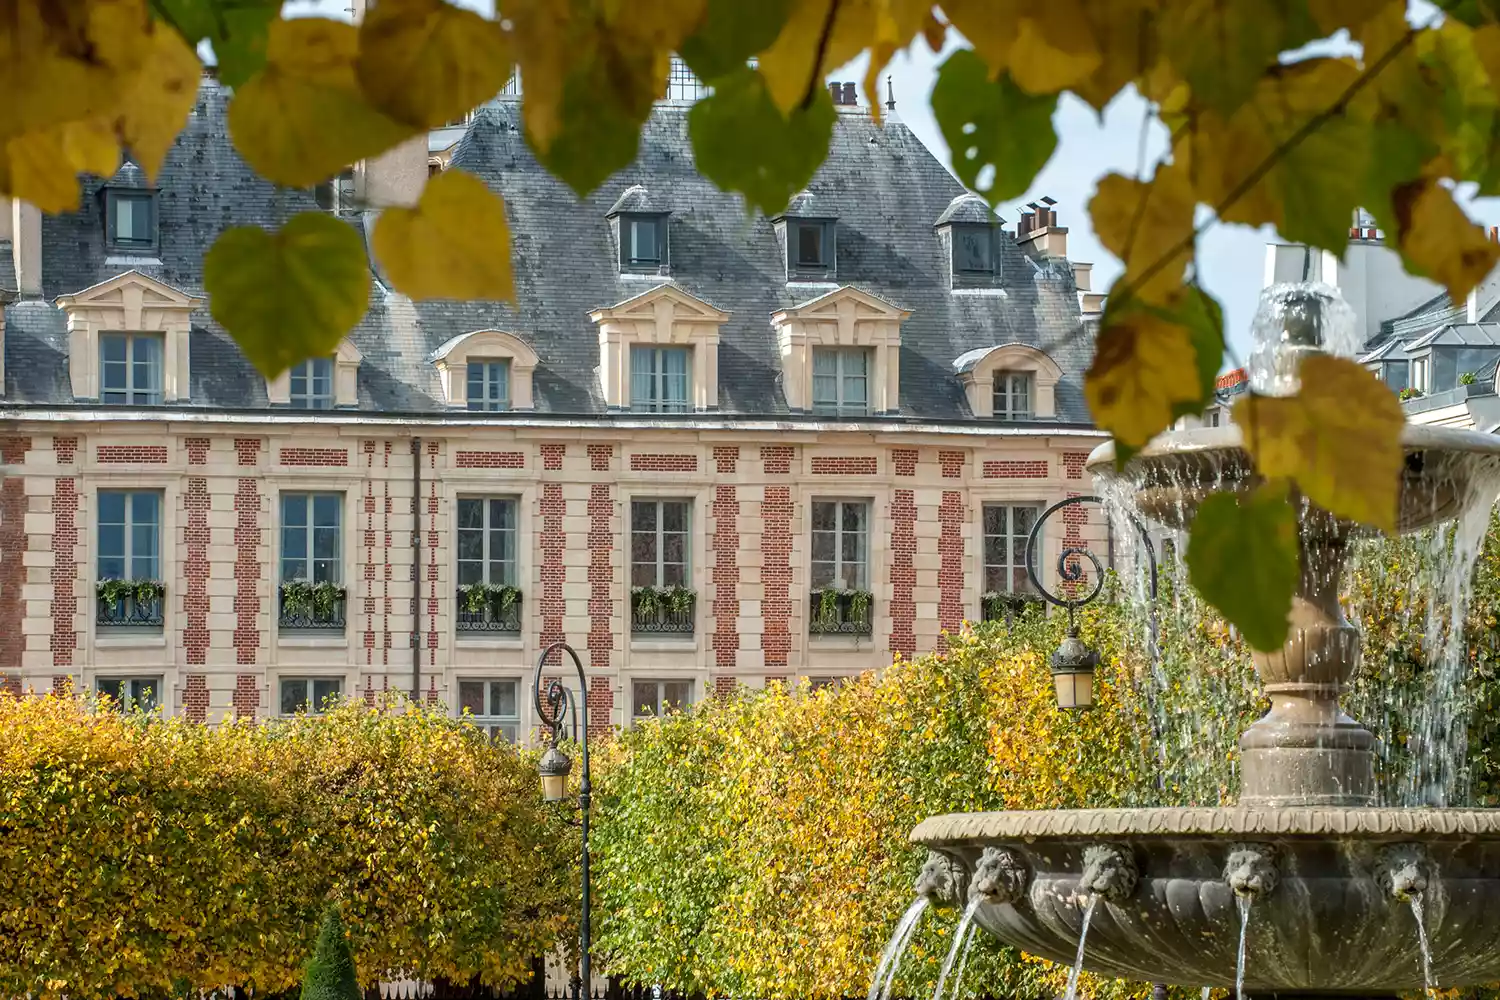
(1074, 662)
(554, 768)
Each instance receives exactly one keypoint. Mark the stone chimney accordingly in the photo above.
(1471, 306)
(25, 224)
(1090, 302)
(1038, 232)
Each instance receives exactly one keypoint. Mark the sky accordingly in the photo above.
(1231, 258)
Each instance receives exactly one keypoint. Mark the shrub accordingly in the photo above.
(330, 972)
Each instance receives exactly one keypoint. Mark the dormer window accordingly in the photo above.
(130, 368)
(811, 244)
(311, 384)
(336, 194)
(131, 220)
(808, 236)
(841, 381)
(643, 241)
(659, 379)
(489, 385)
(969, 233)
(974, 250)
(1013, 395)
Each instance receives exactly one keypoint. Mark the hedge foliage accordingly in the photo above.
(758, 846)
(139, 857)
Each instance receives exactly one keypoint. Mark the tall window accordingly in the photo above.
(489, 385)
(643, 240)
(313, 695)
(1013, 395)
(127, 693)
(974, 250)
(493, 706)
(841, 379)
(840, 544)
(486, 542)
(310, 537)
(129, 535)
(659, 379)
(653, 699)
(130, 368)
(132, 220)
(658, 543)
(1007, 527)
(312, 384)
(812, 244)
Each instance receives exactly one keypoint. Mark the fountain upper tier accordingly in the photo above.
(1178, 470)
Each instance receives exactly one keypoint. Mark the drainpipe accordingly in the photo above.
(416, 570)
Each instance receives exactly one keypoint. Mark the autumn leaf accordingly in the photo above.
(730, 33)
(1054, 47)
(425, 62)
(1339, 438)
(818, 37)
(156, 103)
(1153, 364)
(454, 244)
(42, 166)
(1149, 227)
(238, 30)
(304, 117)
(289, 295)
(1436, 238)
(1222, 47)
(992, 123)
(1242, 557)
(742, 142)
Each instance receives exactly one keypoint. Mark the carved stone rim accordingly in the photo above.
(1414, 437)
(1078, 824)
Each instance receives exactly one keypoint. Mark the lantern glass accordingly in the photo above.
(1075, 690)
(554, 787)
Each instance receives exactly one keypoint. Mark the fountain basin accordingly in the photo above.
(1331, 921)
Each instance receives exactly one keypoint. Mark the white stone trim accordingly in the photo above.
(452, 362)
(846, 317)
(978, 378)
(346, 359)
(129, 303)
(664, 316)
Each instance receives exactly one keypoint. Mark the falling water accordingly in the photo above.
(1416, 911)
(890, 960)
(1083, 936)
(960, 937)
(1208, 991)
(1239, 964)
(963, 961)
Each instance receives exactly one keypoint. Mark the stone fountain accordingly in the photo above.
(1328, 872)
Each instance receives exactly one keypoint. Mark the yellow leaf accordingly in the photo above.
(1339, 438)
(42, 167)
(290, 295)
(1054, 48)
(426, 62)
(156, 103)
(1147, 226)
(1154, 363)
(791, 65)
(1437, 239)
(454, 244)
(1127, 51)
(304, 117)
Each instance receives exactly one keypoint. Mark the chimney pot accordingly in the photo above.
(850, 98)
(1025, 225)
(836, 91)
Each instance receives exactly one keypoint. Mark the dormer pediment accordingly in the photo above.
(845, 318)
(129, 303)
(664, 301)
(131, 296)
(666, 317)
(844, 302)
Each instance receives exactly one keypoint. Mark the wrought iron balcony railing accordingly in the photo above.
(129, 612)
(656, 612)
(492, 615)
(839, 612)
(308, 610)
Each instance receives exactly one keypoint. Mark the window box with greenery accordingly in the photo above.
(488, 607)
(130, 603)
(662, 610)
(308, 606)
(836, 611)
(1002, 606)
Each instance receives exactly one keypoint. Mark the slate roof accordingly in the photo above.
(883, 186)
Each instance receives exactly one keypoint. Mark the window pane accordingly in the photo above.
(674, 516)
(471, 513)
(823, 573)
(643, 241)
(110, 687)
(325, 691)
(112, 347)
(471, 697)
(145, 369)
(503, 514)
(503, 699)
(824, 515)
(855, 516)
(326, 509)
(294, 509)
(974, 250)
(810, 243)
(825, 362)
(642, 377)
(643, 698)
(293, 696)
(854, 393)
(643, 515)
(145, 693)
(676, 695)
(674, 362)
(823, 546)
(470, 545)
(643, 559)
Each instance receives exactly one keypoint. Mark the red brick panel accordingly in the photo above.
(727, 458)
(905, 461)
(66, 449)
(195, 570)
(775, 679)
(131, 454)
(601, 575)
(726, 575)
(1072, 463)
(552, 456)
(724, 685)
(903, 573)
(663, 463)
(491, 460)
(246, 571)
(1074, 518)
(1009, 469)
(843, 466)
(247, 451)
(601, 707)
(246, 699)
(197, 450)
(62, 685)
(314, 456)
(12, 554)
(599, 456)
(64, 570)
(432, 560)
(951, 568)
(552, 543)
(777, 459)
(195, 698)
(776, 574)
(952, 464)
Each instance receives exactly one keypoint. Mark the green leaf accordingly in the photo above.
(427, 62)
(742, 142)
(598, 122)
(992, 123)
(731, 32)
(290, 295)
(237, 30)
(1242, 557)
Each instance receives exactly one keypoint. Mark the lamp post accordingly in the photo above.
(554, 768)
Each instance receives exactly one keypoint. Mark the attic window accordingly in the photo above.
(131, 219)
(336, 194)
(812, 245)
(643, 240)
(973, 250)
